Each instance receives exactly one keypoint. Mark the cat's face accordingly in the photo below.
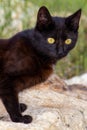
(59, 33)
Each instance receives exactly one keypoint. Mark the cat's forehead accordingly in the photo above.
(59, 22)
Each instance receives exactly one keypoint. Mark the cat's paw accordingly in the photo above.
(23, 107)
(27, 119)
(22, 119)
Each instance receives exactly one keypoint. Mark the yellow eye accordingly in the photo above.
(50, 40)
(68, 41)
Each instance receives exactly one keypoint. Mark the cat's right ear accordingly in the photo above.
(44, 19)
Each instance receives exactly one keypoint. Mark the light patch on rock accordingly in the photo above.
(78, 80)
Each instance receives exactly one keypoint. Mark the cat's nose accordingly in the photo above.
(60, 51)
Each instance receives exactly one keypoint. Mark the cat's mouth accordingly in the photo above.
(61, 55)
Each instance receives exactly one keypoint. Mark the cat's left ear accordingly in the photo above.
(72, 21)
(44, 19)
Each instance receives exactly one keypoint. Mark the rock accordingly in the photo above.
(78, 80)
(54, 105)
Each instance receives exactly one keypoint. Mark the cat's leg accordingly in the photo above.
(10, 100)
(12, 106)
(23, 107)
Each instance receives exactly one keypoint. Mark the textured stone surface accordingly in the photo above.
(53, 106)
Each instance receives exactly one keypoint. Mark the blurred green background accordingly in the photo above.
(16, 15)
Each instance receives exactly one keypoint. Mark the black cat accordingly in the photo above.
(27, 58)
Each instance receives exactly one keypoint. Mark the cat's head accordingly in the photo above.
(60, 33)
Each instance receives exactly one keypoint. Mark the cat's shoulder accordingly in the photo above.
(23, 34)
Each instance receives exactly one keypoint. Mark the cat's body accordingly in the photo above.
(27, 58)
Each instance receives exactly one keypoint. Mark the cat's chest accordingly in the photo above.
(28, 81)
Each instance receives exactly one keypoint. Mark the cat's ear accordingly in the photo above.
(72, 21)
(44, 19)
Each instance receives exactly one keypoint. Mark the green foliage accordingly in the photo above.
(16, 15)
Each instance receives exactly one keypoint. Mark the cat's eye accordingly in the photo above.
(51, 40)
(68, 41)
